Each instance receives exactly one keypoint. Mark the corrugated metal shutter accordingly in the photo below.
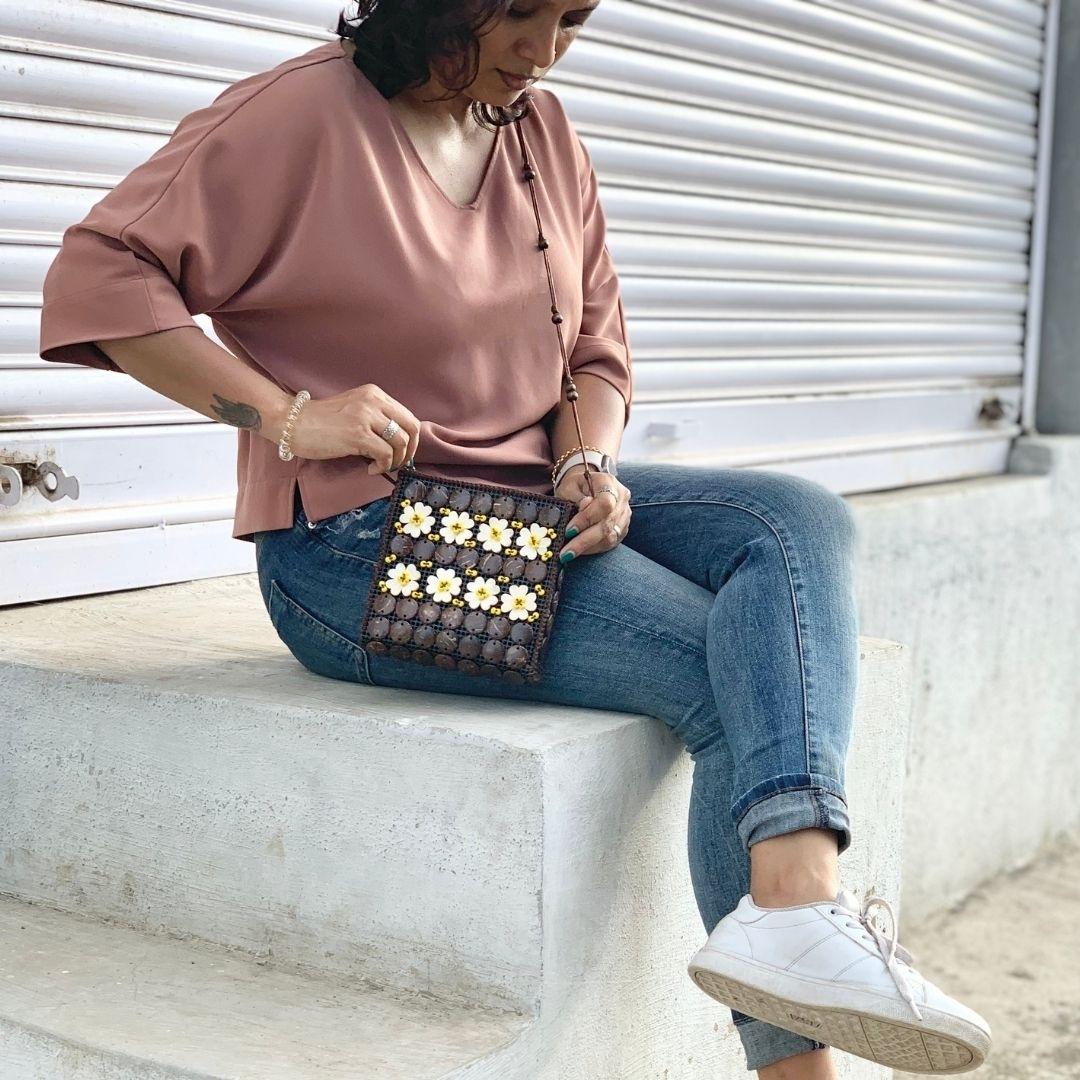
(79, 110)
(820, 213)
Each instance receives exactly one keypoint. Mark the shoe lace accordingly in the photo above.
(887, 945)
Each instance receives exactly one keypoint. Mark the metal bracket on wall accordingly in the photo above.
(994, 408)
(18, 477)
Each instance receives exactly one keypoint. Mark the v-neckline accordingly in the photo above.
(410, 147)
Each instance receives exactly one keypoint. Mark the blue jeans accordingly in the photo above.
(728, 612)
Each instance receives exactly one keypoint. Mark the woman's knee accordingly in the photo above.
(809, 507)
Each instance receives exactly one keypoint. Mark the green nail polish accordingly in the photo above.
(571, 532)
(566, 556)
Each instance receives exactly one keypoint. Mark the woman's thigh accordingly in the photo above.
(699, 520)
(628, 635)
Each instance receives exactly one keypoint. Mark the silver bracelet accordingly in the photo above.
(284, 451)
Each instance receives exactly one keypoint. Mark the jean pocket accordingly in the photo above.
(354, 533)
(318, 646)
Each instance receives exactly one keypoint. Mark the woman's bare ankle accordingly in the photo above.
(795, 868)
(809, 1065)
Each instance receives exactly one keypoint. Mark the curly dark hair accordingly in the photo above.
(396, 41)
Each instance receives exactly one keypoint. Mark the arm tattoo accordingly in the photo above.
(237, 413)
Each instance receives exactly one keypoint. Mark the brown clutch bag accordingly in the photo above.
(468, 575)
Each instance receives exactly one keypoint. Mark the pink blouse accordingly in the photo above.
(296, 212)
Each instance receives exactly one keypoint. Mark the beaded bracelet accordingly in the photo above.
(284, 451)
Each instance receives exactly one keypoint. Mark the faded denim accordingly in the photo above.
(728, 612)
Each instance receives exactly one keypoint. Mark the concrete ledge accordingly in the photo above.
(979, 579)
(95, 1001)
(165, 764)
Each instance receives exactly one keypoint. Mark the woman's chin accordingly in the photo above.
(501, 101)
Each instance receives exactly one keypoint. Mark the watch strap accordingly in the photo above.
(595, 457)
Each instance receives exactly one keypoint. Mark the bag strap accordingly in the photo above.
(528, 173)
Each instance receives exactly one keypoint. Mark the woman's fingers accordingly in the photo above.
(386, 454)
(594, 522)
(403, 445)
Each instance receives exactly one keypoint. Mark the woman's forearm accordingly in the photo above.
(602, 412)
(186, 365)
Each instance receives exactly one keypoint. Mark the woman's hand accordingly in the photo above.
(595, 517)
(351, 422)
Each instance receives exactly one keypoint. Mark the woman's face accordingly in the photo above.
(527, 40)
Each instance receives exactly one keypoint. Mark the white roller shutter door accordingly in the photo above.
(88, 91)
(820, 213)
(821, 217)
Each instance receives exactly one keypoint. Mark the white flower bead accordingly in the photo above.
(417, 519)
(518, 601)
(482, 593)
(456, 527)
(443, 585)
(494, 534)
(402, 579)
(533, 541)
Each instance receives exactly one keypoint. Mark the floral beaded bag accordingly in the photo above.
(468, 575)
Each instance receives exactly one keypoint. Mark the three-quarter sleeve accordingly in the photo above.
(181, 233)
(603, 346)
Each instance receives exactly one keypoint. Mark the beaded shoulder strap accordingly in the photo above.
(528, 173)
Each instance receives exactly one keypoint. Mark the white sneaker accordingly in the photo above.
(824, 970)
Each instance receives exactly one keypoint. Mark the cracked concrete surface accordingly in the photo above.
(1011, 950)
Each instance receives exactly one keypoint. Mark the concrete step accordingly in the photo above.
(82, 999)
(167, 765)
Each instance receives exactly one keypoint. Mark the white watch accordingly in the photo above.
(604, 462)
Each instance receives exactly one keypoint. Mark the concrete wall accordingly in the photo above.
(980, 579)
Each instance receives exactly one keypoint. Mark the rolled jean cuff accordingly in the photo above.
(765, 1043)
(786, 804)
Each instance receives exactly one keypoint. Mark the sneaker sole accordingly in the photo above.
(952, 1046)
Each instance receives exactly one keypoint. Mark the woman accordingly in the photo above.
(357, 215)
